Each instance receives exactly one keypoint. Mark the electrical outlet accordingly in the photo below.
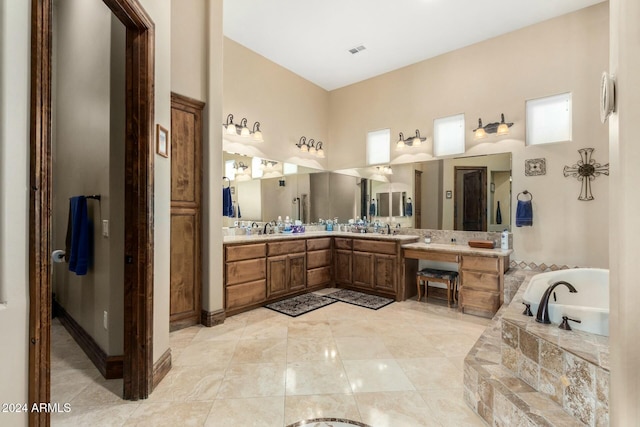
(105, 319)
(105, 228)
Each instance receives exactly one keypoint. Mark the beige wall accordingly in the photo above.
(624, 205)
(287, 107)
(563, 54)
(212, 293)
(189, 48)
(14, 197)
(88, 71)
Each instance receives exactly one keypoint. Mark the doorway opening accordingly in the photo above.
(138, 203)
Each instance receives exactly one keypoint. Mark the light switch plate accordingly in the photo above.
(105, 228)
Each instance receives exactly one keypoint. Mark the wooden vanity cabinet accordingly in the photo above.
(319, 262)
(375, 265)
(286, 267)
(482, 284)
(245, 276)
(343, 251)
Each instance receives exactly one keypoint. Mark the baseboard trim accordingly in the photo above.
(109, 366)
(161, 368)
(212, 318)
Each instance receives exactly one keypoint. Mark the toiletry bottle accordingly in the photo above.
(287, 224)
(329, 225)
(504, 240)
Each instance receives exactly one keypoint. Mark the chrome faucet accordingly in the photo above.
(388, 229)
(543, 308)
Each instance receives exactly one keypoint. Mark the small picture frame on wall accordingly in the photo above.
(162, 141)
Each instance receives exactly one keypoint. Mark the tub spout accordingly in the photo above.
(543, 308)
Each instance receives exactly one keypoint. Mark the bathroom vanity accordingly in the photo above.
(259, 269)
(481, 287)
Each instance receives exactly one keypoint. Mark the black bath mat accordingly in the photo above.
(301, 304)
(373, 302)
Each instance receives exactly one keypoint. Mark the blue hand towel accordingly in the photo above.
(227, 204)
(372, 208)
(79, 247)
(408, 209)
(524, 213)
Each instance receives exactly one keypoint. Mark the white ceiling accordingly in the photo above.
(312, 37)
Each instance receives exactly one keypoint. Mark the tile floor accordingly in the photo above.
(399, 366)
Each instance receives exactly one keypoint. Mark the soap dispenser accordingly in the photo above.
(504, 240)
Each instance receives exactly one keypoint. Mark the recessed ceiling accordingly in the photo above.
(313, 38)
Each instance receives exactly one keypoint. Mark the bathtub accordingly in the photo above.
(590, 304)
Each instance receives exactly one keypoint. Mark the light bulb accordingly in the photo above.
(480, 133)
(257, 136)
(320, 152)
(231, 129)
(417, 142)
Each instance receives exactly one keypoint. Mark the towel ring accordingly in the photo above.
(525, 192)
(228, 182)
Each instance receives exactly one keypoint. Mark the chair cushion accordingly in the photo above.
(440, 274)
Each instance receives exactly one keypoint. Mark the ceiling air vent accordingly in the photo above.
(357, 49)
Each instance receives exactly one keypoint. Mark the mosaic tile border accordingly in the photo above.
(541, 268)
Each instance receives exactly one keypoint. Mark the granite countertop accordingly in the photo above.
(257, 238)
(464, 249)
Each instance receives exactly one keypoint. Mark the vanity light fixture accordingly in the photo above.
(242, 129)
(500, 128)
(310, 146)
(268, 165)
(240, 168)
(413, 141)
(384, 170)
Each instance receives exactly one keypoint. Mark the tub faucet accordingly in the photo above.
(543, 308)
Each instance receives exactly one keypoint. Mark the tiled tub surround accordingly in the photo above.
(521, 372)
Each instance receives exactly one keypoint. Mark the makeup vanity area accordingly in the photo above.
(263, 268)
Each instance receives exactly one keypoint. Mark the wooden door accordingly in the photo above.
(470, 205)
(277, 275)
(417, 200)
(186, 195)
(363, 269)
(385, 272)
(343, 266)
(297, 272)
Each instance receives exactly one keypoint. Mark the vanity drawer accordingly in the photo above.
(317, 259)
(285, 248)
(344, 243)
(481, 281)
(245, 271)
(481, 263)
(245, 294)
(374, 246)
(317, 244)
(431, 255)
(237, 253)
(486, 303)
(318, 276)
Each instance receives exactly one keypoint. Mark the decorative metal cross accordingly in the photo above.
(586, 170)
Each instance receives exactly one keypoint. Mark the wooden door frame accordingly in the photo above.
(139, 158)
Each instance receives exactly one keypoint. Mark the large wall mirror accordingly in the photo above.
(467, 193)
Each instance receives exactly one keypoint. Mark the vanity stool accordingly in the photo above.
(448, 277)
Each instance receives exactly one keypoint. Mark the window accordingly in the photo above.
(229, 170)
(378, 146)
(256, 169)
(289, 169)
(549, 119)
(448, 135)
